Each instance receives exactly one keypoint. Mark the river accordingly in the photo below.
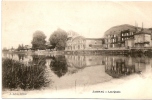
(68, 71)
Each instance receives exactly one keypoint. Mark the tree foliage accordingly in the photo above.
(58, 39)
(38, 41)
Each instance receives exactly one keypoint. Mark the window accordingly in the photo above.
(113, 40)
(78, 46)
(90, 45)
(95, 42)
(84, 46)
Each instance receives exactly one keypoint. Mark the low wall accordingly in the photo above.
(112, 52)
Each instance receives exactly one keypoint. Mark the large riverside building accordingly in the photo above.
(81, 43)
(127, 36)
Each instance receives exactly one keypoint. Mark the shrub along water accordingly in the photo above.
(16, 75)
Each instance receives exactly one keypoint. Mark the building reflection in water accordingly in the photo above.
(81, 61)
(117, 66)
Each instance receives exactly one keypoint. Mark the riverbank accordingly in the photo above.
(36, 52)
(111, 51)
(115, 51)
(137, 86)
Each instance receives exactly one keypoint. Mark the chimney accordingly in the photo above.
(142, 26)
(136, 26)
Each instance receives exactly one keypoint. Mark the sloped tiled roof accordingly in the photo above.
(117, 29)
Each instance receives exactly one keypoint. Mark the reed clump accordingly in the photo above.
(16, 75)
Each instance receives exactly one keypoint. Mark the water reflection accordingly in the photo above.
(115, 66)
(120, 66)
(90, 68)
(59, 65)
(21, 56)
(81, 61)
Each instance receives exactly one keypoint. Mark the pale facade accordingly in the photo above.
(78, 43)
(81, 43)
(93, 44)
(71, 36)
(142, 40)
(129, 43)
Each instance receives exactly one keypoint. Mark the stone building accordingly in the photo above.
(93, 43)
(71, 36)
(127, 36)
(143, 39)
(129, 43)
(115, 37)
(81, 43)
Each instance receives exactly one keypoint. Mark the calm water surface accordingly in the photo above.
(67, 71)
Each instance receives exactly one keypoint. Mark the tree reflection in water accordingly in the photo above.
(39, 60)
(59, 65)
(21, 56)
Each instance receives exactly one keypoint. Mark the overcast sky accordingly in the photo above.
(88, 18)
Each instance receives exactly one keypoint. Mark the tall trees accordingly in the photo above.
(58, 39)
(38, 41)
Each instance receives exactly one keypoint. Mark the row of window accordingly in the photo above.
(127, 34)
(78, 47)
(110, 36)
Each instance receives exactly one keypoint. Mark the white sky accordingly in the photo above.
(88, 18)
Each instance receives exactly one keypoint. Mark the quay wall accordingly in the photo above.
(147, 52)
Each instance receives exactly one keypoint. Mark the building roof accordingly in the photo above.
(122, 28)
(144, 32)
(94, 38)
(117, 29)
(78, 37)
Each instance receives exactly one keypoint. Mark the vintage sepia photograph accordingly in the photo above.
(77, 49)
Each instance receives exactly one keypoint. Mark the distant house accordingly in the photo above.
(12, 49)
(27, 47)
(48, 46)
